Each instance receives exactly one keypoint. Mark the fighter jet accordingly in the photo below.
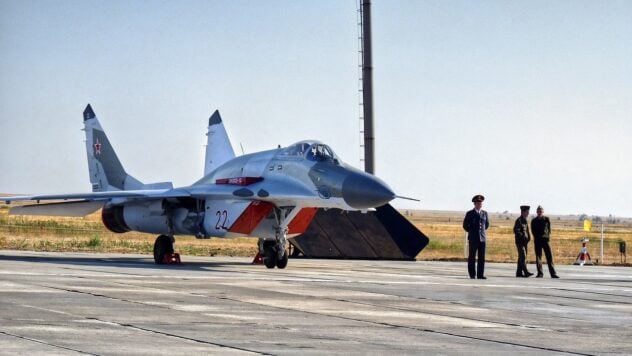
(271, 194)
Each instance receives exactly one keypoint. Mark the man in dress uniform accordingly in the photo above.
(522, 235)
(541, 227)
(476, 223)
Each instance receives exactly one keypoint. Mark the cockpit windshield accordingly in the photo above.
(296, 150)
(313, 151)
(321, 153)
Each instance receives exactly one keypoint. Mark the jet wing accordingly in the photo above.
(151, 193)
(268, 190)
(278, 192)
(81, 204)
(67, 208)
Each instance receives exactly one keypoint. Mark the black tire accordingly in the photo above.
(282, 263)
(162, 247)
(270, 256)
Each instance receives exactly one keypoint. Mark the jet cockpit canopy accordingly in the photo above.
(312, 151)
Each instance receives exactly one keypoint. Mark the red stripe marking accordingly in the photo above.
(299, 224)
(251, 217)
(239, 180)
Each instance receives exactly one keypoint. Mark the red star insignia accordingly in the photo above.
(97, 147)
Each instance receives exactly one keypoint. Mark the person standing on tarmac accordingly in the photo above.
(541, 227)
(476, 223)
(522, 235)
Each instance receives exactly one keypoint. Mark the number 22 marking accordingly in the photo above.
(219, 215)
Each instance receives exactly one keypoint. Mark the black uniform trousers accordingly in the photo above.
(543, 244)
(476, 247)
(521, 269)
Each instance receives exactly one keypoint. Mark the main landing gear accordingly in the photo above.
(163, 250)
(163, 247)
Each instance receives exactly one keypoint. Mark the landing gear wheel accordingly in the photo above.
(282, 262)
(269, 256)
(163, 246)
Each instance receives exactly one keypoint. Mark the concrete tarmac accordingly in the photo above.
(107, 304)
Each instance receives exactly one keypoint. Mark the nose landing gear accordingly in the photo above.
(274, 253)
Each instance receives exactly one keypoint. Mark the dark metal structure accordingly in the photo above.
(383, 234)
(367, 87)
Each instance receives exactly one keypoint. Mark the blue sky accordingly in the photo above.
(522, 101)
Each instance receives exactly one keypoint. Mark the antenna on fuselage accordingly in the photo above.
(242, 149)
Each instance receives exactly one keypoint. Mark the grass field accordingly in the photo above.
(447, 237)
(443, 228)
(89, 235)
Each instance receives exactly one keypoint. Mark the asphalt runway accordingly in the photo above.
(104, 304)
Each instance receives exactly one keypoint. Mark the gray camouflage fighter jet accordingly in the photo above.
(271, 194)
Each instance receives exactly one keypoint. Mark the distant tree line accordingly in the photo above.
(598, 219)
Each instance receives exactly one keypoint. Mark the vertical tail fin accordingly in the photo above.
(218, 148)
(106, 171)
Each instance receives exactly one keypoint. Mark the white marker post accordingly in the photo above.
(601, 259)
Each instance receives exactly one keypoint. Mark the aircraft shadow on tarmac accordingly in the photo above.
(125, 262)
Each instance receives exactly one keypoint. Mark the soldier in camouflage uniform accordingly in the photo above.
(522, 235)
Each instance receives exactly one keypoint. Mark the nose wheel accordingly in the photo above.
(282, 262)
(269, 256)
(274, 253)
(271, 259)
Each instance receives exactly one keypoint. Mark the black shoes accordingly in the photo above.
(526, 275)
(520, 275)
(540, 275)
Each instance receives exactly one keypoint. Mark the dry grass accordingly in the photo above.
(443, 228)
(447, 238)
(89, 235)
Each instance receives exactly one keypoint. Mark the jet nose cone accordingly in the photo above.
(362, 191)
